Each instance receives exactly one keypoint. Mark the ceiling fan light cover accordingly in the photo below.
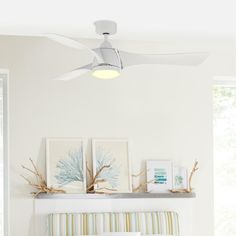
(106, 72)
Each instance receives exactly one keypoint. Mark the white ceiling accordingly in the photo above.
(137, 19)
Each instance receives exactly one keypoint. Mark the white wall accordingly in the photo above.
(165, 111)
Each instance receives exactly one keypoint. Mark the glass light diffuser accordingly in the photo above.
(106, 72)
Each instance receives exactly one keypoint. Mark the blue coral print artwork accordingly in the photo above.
(112, 153)
(111, 175)
(70, 169)
(66, 164)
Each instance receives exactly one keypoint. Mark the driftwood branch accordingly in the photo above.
(40, 184)
(141, 173)
(195, 168)
(142, 185)
(101, 190)
(189, 189)
(89, 171)
(95, 180)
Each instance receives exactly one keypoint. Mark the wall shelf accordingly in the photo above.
(116, 196)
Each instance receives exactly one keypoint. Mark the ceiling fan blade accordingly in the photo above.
(69, 42)
(74, 74)
(188, 59)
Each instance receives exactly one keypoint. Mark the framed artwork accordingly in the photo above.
(66, 164)
(114, 154)
(180, 178)
(159, 176)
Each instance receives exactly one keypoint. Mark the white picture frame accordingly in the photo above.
(159, 176)
(180, 178)
(114, 152)
(65, 159)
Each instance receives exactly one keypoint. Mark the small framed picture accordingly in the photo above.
(114, 155)
(66, 165)
(159, 176)
(180, 178)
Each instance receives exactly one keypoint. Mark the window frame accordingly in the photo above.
(4, 75)
(225, 81)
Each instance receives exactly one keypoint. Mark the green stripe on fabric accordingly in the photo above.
(69, 224)
(72, 222)
(52, 224)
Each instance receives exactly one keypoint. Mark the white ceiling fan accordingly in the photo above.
(108, 62)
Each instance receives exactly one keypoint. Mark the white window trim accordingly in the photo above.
(227, 80)
(4, 75)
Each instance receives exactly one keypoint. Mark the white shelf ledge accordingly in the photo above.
(116, 196)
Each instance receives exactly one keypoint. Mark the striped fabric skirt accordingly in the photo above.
(75, 224)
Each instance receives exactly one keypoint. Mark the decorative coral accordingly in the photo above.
(70, 169)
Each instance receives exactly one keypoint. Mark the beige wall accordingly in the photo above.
(165, 111)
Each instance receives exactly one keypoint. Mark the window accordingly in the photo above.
(225, 158)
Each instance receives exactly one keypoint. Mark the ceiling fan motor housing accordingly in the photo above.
(104, 27)
(110, 57)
